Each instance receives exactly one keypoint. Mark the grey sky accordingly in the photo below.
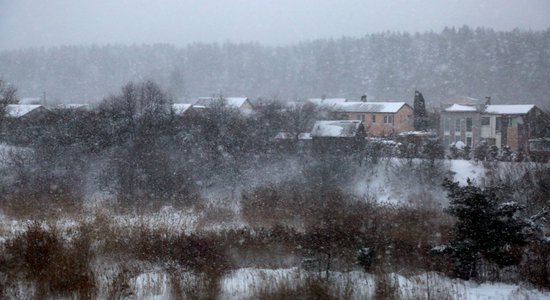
(27, 23)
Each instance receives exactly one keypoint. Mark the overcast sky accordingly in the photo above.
(28, 23)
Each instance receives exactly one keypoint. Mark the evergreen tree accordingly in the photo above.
(420, 115)
(487, 229)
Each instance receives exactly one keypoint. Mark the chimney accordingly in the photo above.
(364, 98)
(487, 100)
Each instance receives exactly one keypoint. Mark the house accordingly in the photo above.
(460, 122)
(339, 136)
(24, 122)
(243, 104)
(26, 111)
(378, 118)
(511, 125)
(500, 125)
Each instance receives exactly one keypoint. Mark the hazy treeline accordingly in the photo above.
(512, 67)
(136, 148)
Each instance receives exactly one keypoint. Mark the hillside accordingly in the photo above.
(512, 67)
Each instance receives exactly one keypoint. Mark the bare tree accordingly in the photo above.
(8, 95)
(300, 118)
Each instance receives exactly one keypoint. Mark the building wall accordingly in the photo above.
(512, 137)
(454, 127)
(401, 121)
(513, 130)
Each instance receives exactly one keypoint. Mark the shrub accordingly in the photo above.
(55, 266)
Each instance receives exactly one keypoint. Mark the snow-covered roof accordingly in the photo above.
(235, 102)
(340, 128)
(19, 110)
(460, 108)
(181, 108)
(372, 107)
(509, 109)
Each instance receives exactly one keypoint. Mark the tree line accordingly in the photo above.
(511, 66)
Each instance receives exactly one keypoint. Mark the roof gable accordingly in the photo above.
(235, 102)
(181, 108)
(20, 110)
(460, 108)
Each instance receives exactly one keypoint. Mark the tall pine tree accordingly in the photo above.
(487, 229)
(420, 115)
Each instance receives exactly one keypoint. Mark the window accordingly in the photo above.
(447, 125)
(361, 118)
(468, 124)
(388, 119)
(469, 141)
(374, 118)
(457, 125)
(485, 121)
(498, 125)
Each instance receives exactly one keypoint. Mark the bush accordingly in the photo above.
(32, 188)
(56, 267)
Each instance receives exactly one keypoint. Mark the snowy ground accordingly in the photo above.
(246, 283)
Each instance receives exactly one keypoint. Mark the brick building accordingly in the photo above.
(378, 118)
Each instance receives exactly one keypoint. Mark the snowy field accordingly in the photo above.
(246, 283)
(378, 183)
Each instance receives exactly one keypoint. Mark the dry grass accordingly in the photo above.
(386, 286)
(309, 288)
(55, 266)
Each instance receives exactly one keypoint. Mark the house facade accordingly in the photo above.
(500, 125)
(338, 136)
(378, 118)
(460, 123)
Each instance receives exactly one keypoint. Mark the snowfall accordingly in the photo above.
(244, 283)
